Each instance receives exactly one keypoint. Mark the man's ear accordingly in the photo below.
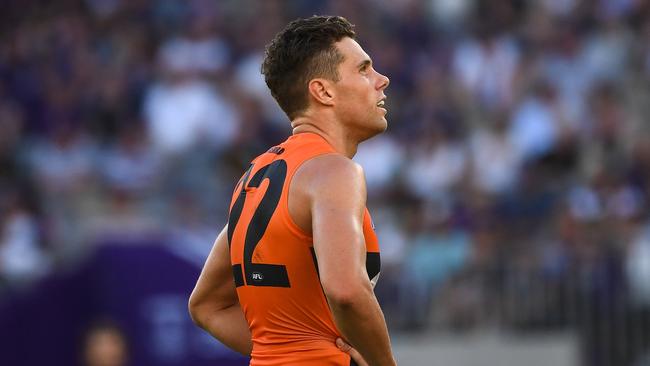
(321, 90)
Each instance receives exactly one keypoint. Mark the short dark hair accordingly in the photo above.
(303, 50)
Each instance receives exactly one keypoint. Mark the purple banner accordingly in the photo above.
(143, 289)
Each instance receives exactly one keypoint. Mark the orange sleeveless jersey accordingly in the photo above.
(274, 265)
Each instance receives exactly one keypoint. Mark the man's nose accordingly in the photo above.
(383, 81)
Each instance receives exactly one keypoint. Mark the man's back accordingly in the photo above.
(274, 264)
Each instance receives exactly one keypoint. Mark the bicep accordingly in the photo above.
(215, 284)
(337, 207)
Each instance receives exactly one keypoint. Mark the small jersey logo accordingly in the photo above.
(257, 276)
(276, 150)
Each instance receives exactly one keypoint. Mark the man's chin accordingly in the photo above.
(382, 125)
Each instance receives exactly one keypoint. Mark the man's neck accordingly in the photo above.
(333, 133)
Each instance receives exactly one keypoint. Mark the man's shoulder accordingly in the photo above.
(330, 174)
(332, 166)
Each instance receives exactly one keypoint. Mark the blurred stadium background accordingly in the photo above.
(510, 193)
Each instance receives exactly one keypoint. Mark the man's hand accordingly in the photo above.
(354, 354)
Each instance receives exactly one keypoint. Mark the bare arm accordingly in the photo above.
(214, 305)
(337, 194)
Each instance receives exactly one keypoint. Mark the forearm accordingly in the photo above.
(228, 325)
(362, 323)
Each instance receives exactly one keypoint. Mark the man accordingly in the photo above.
(299, 242)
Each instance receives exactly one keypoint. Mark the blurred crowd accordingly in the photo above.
(512, 187)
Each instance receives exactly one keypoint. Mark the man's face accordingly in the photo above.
(359, 94)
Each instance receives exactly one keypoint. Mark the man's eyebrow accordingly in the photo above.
(364, 63)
